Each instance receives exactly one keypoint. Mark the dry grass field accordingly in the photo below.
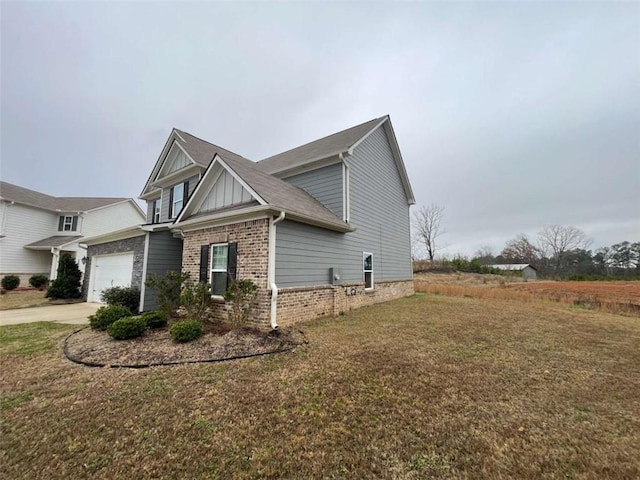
(22, 299)
(424, 387)
(614, 297)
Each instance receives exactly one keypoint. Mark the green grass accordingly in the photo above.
(31, 338)
(424, 387)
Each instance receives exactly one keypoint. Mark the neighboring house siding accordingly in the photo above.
(164, 254)
(135, 245)
(109, 219)
(24, 225)
(166, 197)
(323, 184)
(379, 212)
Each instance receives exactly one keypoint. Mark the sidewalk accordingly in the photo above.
(74, 313)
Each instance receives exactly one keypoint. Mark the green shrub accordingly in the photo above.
(127, 327)
(186, 330)
(67, 283)
(241, 293)
(105, 316)
(155, 319)
(10, 282)
(38, 281)
(126, 296)
(196, 299)
(169, 288)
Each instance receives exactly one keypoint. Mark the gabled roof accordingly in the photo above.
(24, 196)
(319, 149)
(271, 192)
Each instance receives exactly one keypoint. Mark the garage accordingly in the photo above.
(109, 271)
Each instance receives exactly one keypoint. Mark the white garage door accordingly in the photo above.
(110, 271)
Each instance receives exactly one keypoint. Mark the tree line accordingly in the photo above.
(558, 250)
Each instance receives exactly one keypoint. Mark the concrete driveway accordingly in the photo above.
(74, 313)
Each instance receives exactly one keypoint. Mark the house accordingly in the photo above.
(321, 228)
(524, 269)
(35, 228)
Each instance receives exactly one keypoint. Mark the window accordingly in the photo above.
(68, 223)
(177, 199)
(219, 265)
(156, 211)
(367, 269)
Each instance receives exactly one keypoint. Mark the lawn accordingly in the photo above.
(22, 298)
(423, 387)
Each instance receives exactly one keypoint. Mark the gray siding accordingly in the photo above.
(150, 211)
(323, 184)
(380, 214)
(166, 194)
(164, 255)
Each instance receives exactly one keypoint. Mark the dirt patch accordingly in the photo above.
(96, 348)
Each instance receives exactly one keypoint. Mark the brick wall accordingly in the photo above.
(253, 258)
(300, 304)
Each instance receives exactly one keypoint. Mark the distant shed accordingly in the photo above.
(528, 271)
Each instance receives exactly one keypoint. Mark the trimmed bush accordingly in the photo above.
(126, 296)
(186, 330)
(155, 319)
(127, 327)
(105, 316)
(10, 282)
(38, 281)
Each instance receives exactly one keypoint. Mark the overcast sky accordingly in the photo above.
(513, 116)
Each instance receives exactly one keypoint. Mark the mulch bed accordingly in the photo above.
(97, 349)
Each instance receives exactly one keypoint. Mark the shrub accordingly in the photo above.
(155, 319)
(10, 282)
(196, 299)
(105, 316)
(127, 327)
(67, 283)
(241, 293)
(38, 281)
(126, 296)
(169, 288)
(186, 330)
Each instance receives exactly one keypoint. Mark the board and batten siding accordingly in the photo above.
(164, 254)
(166, 195)
(323, 184)
(379, 211)
(24, 225)
(226, 192)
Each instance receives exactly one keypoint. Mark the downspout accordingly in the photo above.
(272, 268)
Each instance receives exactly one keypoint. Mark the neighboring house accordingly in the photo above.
(321, 229)
(36, 228)
(524, 269)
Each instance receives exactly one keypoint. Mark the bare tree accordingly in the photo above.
(521, 250)
(557, 240)
(427, 227)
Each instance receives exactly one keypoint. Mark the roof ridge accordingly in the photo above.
(325, 137)
(212, 144)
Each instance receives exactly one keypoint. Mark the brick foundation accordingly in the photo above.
(301, 304)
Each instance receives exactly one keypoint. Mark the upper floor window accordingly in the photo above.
(156, 211)
(367, 270)
(68, 223)
(178, 197)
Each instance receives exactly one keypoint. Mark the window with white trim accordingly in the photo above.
(367, 270)
(177, 199)
(219, 268)
(68, 223)
(156, 211)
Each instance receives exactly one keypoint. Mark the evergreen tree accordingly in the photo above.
(67, 284)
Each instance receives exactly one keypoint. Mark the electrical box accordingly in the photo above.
(335, 276)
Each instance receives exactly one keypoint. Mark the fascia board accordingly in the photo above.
(366, 135)
(156, 167)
